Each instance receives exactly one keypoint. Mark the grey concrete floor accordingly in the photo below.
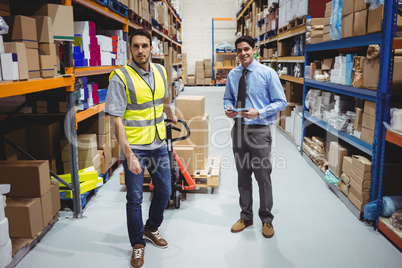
(313, 228)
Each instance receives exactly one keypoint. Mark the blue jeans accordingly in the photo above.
(157, 163)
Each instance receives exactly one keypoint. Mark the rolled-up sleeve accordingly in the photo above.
(116, 99)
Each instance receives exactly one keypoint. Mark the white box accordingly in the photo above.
(4, 234)
(5, 254)
(1, 44)
(105, 43)
(282, 17)
(106, 58)
(297, 129)
(9, 66)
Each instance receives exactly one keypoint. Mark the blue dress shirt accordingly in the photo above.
(264, 92)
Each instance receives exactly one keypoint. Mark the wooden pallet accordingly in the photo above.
(284, 29)
(292, 24)
(208, 177)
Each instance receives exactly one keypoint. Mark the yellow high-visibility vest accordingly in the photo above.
(143, 118)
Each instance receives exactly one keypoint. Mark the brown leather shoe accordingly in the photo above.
(137, 259)
(156, 238)
(267, 230)
(240, 225)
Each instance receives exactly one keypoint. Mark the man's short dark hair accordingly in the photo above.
(245, 38)
(142, 32)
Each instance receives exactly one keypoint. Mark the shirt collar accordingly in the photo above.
(251, 67)
(139, 70)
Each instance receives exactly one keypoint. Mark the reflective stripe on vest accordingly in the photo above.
(144, 113)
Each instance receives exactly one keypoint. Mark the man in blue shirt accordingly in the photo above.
(257, 89)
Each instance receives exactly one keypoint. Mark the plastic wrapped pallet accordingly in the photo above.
(336, 20)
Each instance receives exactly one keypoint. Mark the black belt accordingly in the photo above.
(251, 126)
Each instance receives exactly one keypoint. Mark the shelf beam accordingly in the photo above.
(394, 138)
(87, 71)
(98, 8)
(359, 144)
(293, 32)
(358, 41)
(245, 9)
(9, 89)
(82, 115)
(299, 80)
(361, 93)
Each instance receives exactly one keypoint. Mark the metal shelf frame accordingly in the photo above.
(382, 96)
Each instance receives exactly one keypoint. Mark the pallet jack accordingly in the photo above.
(180, 178)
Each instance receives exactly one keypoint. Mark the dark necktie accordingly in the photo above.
(241, 95)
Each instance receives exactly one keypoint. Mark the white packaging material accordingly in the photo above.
(297, 129)
(289, 125)
(4, 234)
(2, 206)
(1, 44)
(105, 43)
(9, 66)
(282, 16)
(118, 33)
(342, 80)
(335, 72)
(301, 8)
(396, 119)
(5, 188)
(106, 58)
(5, 254)
(357, 134)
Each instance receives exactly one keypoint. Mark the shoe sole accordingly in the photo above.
(136, 267)
(150, 240)
(268, 236)
(238, 231)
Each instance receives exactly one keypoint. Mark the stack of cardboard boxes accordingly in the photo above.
(87, 153)
(360, 181)
(199, 72)
(207, 72)
(192, 110)
(315, 30)
(335, 158)
(86, 47)
(327, 21)
(5, 241)
(368, 122)
(140, 7)
(184, 67)
(33, 200)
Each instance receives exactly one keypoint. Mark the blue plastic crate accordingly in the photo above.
(119, 8)
(102, 2)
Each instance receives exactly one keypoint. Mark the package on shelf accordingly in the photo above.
(44, 29)
(9, 66)
(86, 48)
(335, 157)
(62, 20)
(5, 244)
(50, 50)
(396, 119)
(360, 181)
(315, 30)
(22, 29)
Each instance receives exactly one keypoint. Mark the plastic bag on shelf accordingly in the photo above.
(373, 52)
(225, 47)
(390, 205)
(370, 210)
(331, 178)
(3, 26)
(396, 119)
(336, 20)
(374, 4)
(396, 219)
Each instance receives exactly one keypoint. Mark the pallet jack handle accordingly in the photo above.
(188, 132)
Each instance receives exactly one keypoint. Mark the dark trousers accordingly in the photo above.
(157, 163)
(252, 154)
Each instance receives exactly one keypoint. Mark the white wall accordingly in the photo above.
(197, 28)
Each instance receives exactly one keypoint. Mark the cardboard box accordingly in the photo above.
(96, 125)
(363, 198)
(347, 166)
(371, 71)
(20, 50)
(43, 138)
(191, 80)
(397, 77)
(46, 204)
(188, 107)
(335, 158)
(345, 179)
(46, 65)
(347, 22)
(368, 121)
(326, 37)
(328, 13)
(22, 29)
(55, 195)
(50, 49)
(285, 49)
(357, 124)
(62, 20)
(28, 178)
(24, 216)
(327, 21)
(33, 62)
(358, 190)
(199, 81)
(347, 7)
(316, 21)
(359, 183)
(343, 187)
(360, 23)
(187, 156)
(326, 29)
(356, 202)
(294, 92)
(359, 5)
(374, 20)
(362, 163)
(9, 66)
(367, 135)
(44, 29)
(328, 5)
(369, 107)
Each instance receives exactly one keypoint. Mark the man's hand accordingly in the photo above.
(173, 119)
(230, 114)
(133, 164)
(251, 114)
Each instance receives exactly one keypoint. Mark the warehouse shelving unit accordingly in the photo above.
(382, 96)
(223, 54)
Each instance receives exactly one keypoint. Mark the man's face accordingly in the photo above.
(245, 53)
(140, 49)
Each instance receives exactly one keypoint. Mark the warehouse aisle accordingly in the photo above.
(313, 228)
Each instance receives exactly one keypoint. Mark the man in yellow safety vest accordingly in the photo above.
(136, 99)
